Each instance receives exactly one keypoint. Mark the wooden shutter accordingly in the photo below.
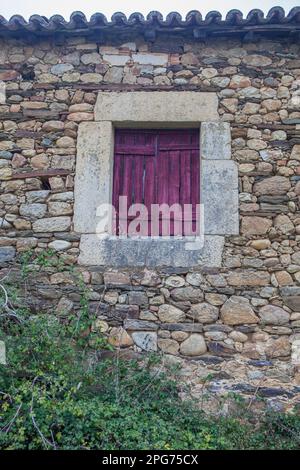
(156, 167)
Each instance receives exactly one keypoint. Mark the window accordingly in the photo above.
(157, 167)
(95, 176)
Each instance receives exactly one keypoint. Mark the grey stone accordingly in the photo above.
(116, 59)
(7, 253)
(2, 353)
(273, 315)
(194, 345)
(194, 279)
(221, 82)
(33, 211)
(249, 92)
(204, 313)
(220, 197)
(187, 293)
(116, 279)
(4, 223)
(296, 258)
(6, 154)
(215, 335)
(211, 254)
(64, 306)
(72, 58)
(220, 349)
(140, 325)
(293, 302)
(94, 163)
(60, 245)
(218, 327)
(174, 281)
(126, 311)
(64, 197)
(170, 314)
(215, 141)
(148, 278)
(150, 59)
(37, 196)
(156, 107)
(138, 298)
(289, 290)
(53, 224)
(168, 346)
(188, 327)
(256, 60)
(92, 58)
(114, 75)
(60, 69)
(116, 252)
(146, 340)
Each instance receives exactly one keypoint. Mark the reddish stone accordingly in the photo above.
(9, 75)
(18, 160)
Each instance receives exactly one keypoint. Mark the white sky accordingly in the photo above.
(65, 7)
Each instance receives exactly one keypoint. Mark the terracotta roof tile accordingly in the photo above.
(275, 19)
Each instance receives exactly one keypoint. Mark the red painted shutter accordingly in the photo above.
(156, 167)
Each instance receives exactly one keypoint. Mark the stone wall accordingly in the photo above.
(236, 319)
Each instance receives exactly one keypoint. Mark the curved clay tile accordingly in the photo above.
(119, 19)
(213, 17)
(275, 15)
(16, 22)
(78, 21)
(255, 16)
(174, 19)
(234, 17)
(193, 17)
(55, 23)
(136, 18)
(37, 23)
(98, 19)
(294, 15)
(155, 17)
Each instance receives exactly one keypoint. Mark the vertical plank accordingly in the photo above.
(138, 182)
(171, 175)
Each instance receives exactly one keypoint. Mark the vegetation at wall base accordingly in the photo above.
(56, 394)
(59, 391)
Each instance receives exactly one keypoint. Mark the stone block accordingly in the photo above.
(116, 252)
(157, 107)
(52, 224)
(2, 353)
(146, 340)
(93, 173)
(219, 196)
(215, 141)
(7, 253)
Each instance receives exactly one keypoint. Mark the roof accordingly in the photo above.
(275, 21)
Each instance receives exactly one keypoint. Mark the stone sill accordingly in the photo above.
(120, 252)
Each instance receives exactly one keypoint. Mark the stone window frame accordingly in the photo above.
(94, 176)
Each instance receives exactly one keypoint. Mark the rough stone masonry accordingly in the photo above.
(239, 322)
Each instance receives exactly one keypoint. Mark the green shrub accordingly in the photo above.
(58, 393)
